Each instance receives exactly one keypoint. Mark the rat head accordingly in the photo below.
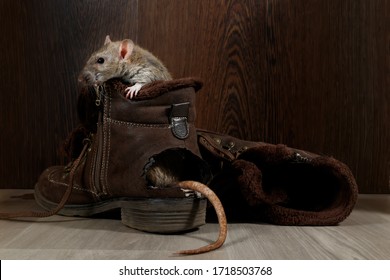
(105, 63)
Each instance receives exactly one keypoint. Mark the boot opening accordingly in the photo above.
(302, 186)
(294, 182)
(175, 165)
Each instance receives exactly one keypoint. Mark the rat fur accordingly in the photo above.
(125, 60)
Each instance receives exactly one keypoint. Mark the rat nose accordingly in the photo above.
(86, 78)
(80, 78)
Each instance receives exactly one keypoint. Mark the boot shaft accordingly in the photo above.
(130, 132)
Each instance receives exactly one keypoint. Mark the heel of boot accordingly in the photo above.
(164, 215)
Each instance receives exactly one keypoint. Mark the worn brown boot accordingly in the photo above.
(131, 159)
(138, 155)
(277, 184)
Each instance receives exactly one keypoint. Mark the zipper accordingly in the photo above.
(99, 138)
(99, 94)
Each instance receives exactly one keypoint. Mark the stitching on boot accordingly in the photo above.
(94, 152)
(56, 182)
(101, 176)
(84, 190)
(75, 186)
(104, 147)
(138, 124)
(107, 147)
(93, 169)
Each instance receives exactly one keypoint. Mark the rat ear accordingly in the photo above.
(108, 40)
(126, 48)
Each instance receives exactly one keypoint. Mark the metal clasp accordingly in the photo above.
(99, 93)
(178, 119)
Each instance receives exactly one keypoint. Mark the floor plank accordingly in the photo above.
(365, 234)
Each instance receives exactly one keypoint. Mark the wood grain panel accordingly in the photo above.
(309, 74)
(44, 46)
(218, 41)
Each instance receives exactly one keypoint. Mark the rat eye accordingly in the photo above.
(100, 60)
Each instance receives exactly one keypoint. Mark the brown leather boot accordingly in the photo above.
(277, 184)
(131, 159)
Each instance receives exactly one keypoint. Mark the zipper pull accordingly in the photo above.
(98, 90)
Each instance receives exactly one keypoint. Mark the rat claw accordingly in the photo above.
(128, 92)
(132, 91)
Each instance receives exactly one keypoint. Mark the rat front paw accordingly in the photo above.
(132, 91)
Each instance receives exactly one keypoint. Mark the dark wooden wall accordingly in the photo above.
(310, 74)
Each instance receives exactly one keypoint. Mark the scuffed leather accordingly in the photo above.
(127, 134)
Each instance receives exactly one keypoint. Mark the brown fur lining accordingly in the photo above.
(157, 88)
(321, 191)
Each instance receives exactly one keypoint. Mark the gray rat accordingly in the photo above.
(125, 60)
(178, 167)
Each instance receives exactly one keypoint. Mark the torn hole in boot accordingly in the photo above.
(174, 165)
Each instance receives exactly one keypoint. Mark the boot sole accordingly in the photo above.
(157, 215)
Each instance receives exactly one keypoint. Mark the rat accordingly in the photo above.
(214, 200)
(125, 60)
(181, 169)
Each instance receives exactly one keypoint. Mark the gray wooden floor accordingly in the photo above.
(364, 235)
